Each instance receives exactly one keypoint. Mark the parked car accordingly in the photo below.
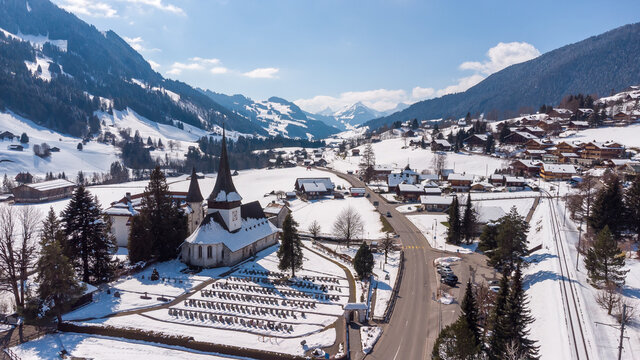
(388, 213)
(376, 203)
(494, 282)
(495, 289)
(445, 271)
(449, 280)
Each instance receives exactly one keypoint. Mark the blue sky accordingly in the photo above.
(334, 53)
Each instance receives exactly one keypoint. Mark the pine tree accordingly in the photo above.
(608, 208)
(488, 237)
(89, 243)
(290, 251)
(519, 318)
(500, 328)
(604, 261)
(455, 341)
(468, 223)
(454, 233)
(511, 240)
(632, 205)
(165, 224)
(367, 163)
(363, 261)
(140, 244)
(58, 286)
(469, 309)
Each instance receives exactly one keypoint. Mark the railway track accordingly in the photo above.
(568, 290)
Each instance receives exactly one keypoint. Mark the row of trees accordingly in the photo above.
(505, 241)
(508, 323)
(461, 229)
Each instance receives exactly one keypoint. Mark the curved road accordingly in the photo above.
(415, 322)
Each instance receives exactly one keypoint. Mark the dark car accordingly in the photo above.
(448, 280)
(388, 213)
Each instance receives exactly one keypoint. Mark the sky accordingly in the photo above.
(333, 53)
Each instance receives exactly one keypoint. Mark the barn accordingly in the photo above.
(43, 191)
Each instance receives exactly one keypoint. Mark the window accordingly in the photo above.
(209, 252)
(200, 252)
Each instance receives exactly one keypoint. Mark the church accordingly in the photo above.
(231, 231)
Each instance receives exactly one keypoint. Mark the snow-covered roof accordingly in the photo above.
(442, 142)
(487, 214)
(432, 190)
(328, 184)
(51, 184)
(559, 168)
(224, 197)
(212, 232)
(524, 134)
(460, 177)
(383, 167)
(313, 187)
(515, 179)
(410, 188)
(357, 190)
(436, 200)
(428, 176)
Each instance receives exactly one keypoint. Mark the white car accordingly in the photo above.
(495, 289)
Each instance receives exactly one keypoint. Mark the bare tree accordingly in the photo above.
(629, 313)
(439, 162)
(367, 163)
(608, 298)
(17, 249)
(349, 225)
(314, 229)
(485, 301)
(386, 245)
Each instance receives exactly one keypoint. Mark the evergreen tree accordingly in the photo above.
(454, 232)
(140, 244)
(511, 241)
(500, 328)
(604, 261)
(363, 261)
(469, 309)
(455, 342)
(504, 132)
(58, 287)
(164, 223)
(608, 208)
(490, 146)
(89, 243)
(488, 237)
(469, 221)
(367, 163)
(632, 205)
(290, 251)
(519, 318)
(24, 138)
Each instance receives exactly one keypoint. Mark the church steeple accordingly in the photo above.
(194, 194)
(224, 194)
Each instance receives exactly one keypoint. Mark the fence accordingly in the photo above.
(396, 287)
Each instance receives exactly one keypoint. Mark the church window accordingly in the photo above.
(209, 252)
(200, 252)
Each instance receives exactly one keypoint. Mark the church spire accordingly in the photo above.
(224, 194)
(194, 194)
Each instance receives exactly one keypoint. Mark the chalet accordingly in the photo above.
(518, 138)
(560, 113)
(578, 125)
(529, 168)
(476, 140)
(550, 126)
(537, 144)
(410, 192)
(631, 171)
(320, 163)
(617, 164)
(602, 151)
(15, 147)
(515, 183)
(481, 187)
(357, 191)
(406, 176)
(381, 171)
(534, 154)
(550, 158)
(533, 130)
(6, 135)
(584, 113)
(314, 187)
(565, 147)
(440, 145)
(276, 213)
(565, 158)
(460, 182)
(231, 231)
(497, 179)
(621, 116)
(435, 203)
(44, 191)
(551, 172)
(120, 212)
(430, 190)
(355, 152)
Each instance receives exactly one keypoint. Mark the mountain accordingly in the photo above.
(58, 71)
(593, 66)
(356, 114)
(278, 116)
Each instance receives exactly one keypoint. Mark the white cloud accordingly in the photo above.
(420, 93)
(135, 43)
(211, 61)
(219, 70)
(158, 4)
(88, 8)
(154, 65)
(177, 67)
(262, 73)
(462, 85)
(379, 99)
(501, 56)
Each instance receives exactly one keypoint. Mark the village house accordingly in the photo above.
(15, 147)
(560, 113)
(533, 130)
(497, 180)
(460, 182)
(534, 154)
(537, 144)
(410, 192)
(276, 213)
(476, 140)
(515, 183)
(530, 168)
(43, 191)
(565, 147)
(231, 231)
(552, 172)
(406, 176)
(381, 171)
(435, 203)
(314, 187)
(550, 126)
(7, 135)
(578, 125)
(583, 113)
(631, 171)
(440, 145)
(602, 151)
(357, 191)
(355, 152)
(565, 158)
(518, 138)
(481, 187)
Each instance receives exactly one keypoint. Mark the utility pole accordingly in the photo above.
(564, 222)
(622, 322)
(578, 252)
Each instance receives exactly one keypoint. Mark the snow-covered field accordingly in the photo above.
(393, 152)
(105, 348)
(627, 135)
(252, 307)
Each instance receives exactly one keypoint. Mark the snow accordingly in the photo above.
(44, 66)
(105, 348)
(38, 41)
(368, 336)
(627, 135)
(436, 233)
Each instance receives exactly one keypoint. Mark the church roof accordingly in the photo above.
(194, 194)
(224, 190)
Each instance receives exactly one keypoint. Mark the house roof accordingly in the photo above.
(460, 177)
(442, 142)
(559, 168)
(436, 200)
(328, 184)
(313, 187)
(51, 184)
(411, 188)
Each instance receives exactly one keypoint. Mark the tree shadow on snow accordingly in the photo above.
(540, 276)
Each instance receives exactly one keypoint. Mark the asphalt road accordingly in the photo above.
(417, 317)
